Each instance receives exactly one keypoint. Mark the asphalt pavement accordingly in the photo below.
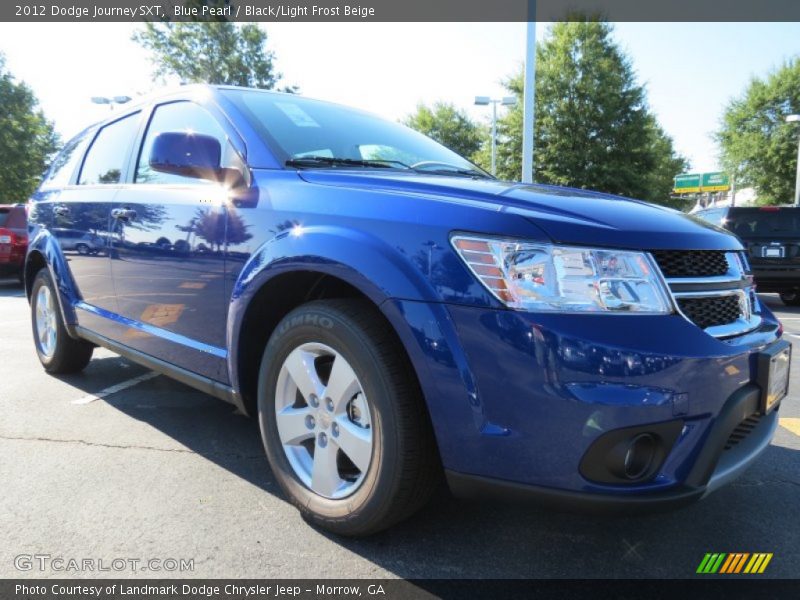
(119, 464)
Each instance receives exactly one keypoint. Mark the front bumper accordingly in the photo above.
(518, 399)
(716, 466)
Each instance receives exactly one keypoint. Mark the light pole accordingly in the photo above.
(110, 101)
(796, 119)
(485, 101)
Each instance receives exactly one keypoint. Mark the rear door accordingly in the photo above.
(168, 259)
(80, 219)
(771, 235)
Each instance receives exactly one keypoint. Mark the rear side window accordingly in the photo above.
(64, 165)
(17, 218)
(107, 156)
(173, 118)
(3, 216)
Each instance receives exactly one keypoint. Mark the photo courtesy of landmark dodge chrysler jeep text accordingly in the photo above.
(395, 317)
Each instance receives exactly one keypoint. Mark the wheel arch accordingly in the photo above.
(45, 252)
(271, 302)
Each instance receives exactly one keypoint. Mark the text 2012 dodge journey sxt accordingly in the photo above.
(395, 317)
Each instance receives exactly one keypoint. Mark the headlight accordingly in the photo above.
(547, 277)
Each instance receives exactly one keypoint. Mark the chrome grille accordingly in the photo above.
(691, 263)
(710, 288)
(711, 311)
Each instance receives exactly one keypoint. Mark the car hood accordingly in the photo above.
(566, 215)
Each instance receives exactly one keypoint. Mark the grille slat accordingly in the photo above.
(711, 311)
(691, 263)
(742, 430)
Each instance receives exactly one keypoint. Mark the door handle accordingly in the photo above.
(60, 211)
(123, 214)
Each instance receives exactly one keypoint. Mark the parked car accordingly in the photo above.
(75, 240)
(393, 315)
(771, 237)
(13, 239)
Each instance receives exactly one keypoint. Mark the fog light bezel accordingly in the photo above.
(605, 459)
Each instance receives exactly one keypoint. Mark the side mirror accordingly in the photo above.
(187, 154)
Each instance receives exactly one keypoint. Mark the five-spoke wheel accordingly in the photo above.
(342, 417)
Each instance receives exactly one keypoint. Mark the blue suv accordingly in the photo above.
(396, 318)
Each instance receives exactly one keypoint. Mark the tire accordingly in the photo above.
(382, 402)
(57, 351)
(82, 249)
(790, 298)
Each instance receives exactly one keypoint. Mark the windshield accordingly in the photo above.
(769, 221)
(309, 133)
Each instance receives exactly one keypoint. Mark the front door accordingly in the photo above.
(168, 256)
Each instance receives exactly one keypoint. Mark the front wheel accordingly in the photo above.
(343, 421)
(57, 351)
(790, 298)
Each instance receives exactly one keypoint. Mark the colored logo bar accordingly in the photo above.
(734, 562)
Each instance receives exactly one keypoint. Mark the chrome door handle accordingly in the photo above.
(123, 214)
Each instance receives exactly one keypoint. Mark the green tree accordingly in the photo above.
(217, 52)
(27, 139)
(757, 145)
(593, 127)
(448, 126)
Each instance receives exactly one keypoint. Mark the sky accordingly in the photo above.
(690, 70)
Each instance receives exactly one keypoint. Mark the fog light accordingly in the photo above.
(639, 456)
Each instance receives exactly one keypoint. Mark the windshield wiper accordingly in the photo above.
(316, 161)
(439, 168)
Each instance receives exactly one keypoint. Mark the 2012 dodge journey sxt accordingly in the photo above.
(395, 317)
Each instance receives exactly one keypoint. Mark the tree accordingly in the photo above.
(217, 52)
(593, 127)
(757, 145)
(448, 126)
(27, 139)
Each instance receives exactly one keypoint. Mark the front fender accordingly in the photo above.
(366, 262)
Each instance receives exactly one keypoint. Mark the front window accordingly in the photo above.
(302, 131)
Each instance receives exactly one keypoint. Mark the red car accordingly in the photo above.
(13, 239)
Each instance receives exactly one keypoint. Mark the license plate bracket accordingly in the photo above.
(773, 374)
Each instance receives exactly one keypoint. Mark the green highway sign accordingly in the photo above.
(693, 183)
(715, 182)
(687, 184)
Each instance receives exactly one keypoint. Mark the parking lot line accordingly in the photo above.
(89, 398)
(791, 423)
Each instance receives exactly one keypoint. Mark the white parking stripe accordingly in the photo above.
(116, 388)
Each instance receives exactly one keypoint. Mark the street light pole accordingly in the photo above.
(796, 119)
(494, 138)
(529, 95)
(485, 101)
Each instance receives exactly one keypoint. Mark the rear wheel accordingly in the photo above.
(57, 351)
(344, 424)
(790, 298)
(82, 249)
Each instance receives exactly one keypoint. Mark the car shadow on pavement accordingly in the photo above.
(457, 539)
